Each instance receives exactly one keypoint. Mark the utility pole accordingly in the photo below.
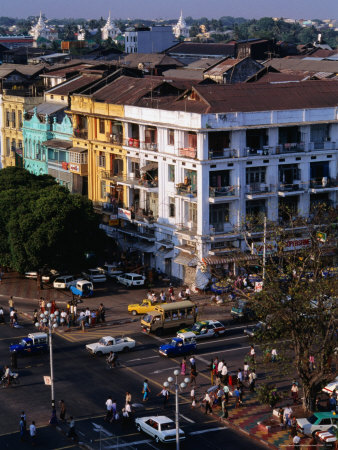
(264, 248)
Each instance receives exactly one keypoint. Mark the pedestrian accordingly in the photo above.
(273, 355)
(145, 390)
(252, 354)
(183, 366)
(192, 397)
(87, 315)
(32, 432)
(35, 316)
(109, 407)
(296, 441)
(22, 429)
(192, 362)
(246, 371)
(23, 417)
(287, 416)
(219, 369)
(281, 415)
(225, 413)
(293, 426)
(236, 394)
(115, 415)
(294, 393)
(193, 375)
(62, 410)
(224, 373)
(2, 315)
(11, 303)
(128, 397)
(165, 396)
(226, 391)
(42, 305)
(207, 401)
(332, 403)
(211, 368)
(102, 310)
(252, 380)
(12, 318)
(72, 433)
(240, 375)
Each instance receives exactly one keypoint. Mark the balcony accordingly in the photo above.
(219, 194)
(223, 153)
(265, 151)
(188, 152)
(324, 184)
(145, 216)
(325, 145)
(183, 190)
(293, 147)
(131, 142)
(188, 229)
(115, 138)
(152, 146)
(259, 190)
(295, 188)
(81, 133)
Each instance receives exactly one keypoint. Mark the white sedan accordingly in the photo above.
(131, 279)
(109, 344)
(95, 276)
(64, 282)
(160, 427)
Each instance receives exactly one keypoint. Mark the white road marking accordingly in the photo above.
(128, 444)
(163, 370)
(141, 359)
(187, 419)
(98, 428)
(222, 340)
(207, 431)
(222, 351)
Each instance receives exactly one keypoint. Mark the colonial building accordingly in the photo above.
(109, 30)
(180, 29)
(180, 174)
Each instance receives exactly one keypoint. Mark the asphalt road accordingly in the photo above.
(84, 383)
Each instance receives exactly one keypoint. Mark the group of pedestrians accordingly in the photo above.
(27, 433)
(13, 314)
(113, 414)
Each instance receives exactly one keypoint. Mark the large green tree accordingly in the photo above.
(42, 224)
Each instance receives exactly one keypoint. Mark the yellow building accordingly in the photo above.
(98, 131)
(13, 109)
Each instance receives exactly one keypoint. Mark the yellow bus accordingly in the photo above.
(169, 315)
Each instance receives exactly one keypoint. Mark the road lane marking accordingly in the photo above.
(128, 444)
(142, 359)
(187, 419)
(15, 337)
(163, 370)
(207, 431)
(222, 340)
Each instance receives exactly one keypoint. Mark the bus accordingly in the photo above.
(169, 315)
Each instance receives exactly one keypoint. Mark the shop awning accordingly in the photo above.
(78, 150)
(216, 260)
(58, 143)
(185, 259)
(164, 251)
(150, 166)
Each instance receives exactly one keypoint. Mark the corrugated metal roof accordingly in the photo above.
(149, 60)
(186, 259)
(74, 84)
(205, 49)
(58, 143)
(48, 108)
(184, 74)
(25, 69)
(216, 260)
(303, 65)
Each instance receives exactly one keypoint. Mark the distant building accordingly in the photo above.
(232, 71)
(109, 30)
(149, 39)
(81, 34)
(181, 29)
(16, 41)
(41, 30)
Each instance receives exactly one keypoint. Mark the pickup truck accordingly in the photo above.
(142, 308)
(33, 343)
(182, 345)
(109, 344)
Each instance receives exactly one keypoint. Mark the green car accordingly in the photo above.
(205, 329)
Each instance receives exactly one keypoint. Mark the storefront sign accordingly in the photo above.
(74, 168)
(64, 165)
(124, 214)
(113, 222)
(257, 248)
(296, 244)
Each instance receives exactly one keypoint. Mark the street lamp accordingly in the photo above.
(50, 320)
(182, 385)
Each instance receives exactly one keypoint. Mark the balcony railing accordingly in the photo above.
(115, 139)
(223, 153)
(259, 188)
(325, 145)
(264, 151)
(186, 191)
(223, 191)
(188, 152)
(145, 215)
(131, 142)
(295, 186)
(293, 147)
(81, 134)
(152, 146)
(322, 183)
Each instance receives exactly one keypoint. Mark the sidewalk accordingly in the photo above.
(247, 419)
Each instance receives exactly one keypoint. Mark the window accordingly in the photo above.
(255, 175)
(288, 173)
(8, 118)
(171, 173)
(102, 160)
(171, 137)
(101, 126)
(135, 168)
(20, 119)
(192, 140)
(103, 189)
(172, 211)
(219, 215)
(8, 146)
(13, 119)
(192, 213)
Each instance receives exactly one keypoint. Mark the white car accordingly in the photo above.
(95, 276)
(131, 279)
(109, 344)
(319, 421)
(333, 386)
(110, 270)
(160, 427)
(64, 282)
(329, 436)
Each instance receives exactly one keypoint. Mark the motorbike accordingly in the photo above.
(13, 379)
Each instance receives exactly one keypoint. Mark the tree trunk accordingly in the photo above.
(309, 397)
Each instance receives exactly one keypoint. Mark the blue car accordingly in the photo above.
(183, 344)
(34, 342)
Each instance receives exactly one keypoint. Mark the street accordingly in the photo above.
(84, 382)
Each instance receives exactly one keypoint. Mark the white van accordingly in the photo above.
(64, 282)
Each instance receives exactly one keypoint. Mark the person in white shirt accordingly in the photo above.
(109, 407)
(2, 316)
(287, 415)
(32, 432)
(192, 396)
(246, 371)
(207, 401)
(224, 373)
(165, 396)
(273, 355)
(219, 368)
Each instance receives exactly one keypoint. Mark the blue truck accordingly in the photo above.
(33, 343)
(178, 346)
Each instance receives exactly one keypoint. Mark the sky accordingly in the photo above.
(155, 9)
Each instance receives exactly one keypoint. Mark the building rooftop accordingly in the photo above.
(23, 69)
(58, 143)
(303, 65)
(74, 84)
(202, 49)
(149, 60)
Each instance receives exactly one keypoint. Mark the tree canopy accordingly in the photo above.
(43, 225)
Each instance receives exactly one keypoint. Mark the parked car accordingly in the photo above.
(329, 436)
(109, 344)
(64, 282)
(34, 342)
(319, 421)
(110, 270)
(253, 330)
(242, 311)
(94, 275)
(205, 329)
(142, 308)
(161, 428)
(83, 288)
(45, 277)
(331, 387)
(131, 279)
(178, 346)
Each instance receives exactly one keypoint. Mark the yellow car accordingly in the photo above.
(142, 308)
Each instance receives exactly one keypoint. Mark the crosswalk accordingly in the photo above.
(90, 334)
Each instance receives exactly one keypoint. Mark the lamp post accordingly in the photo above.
(182, 385)
(50, 320)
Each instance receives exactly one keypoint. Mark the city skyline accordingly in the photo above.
(149, 9)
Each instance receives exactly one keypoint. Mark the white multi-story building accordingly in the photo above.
(203, 164)
(149, 39)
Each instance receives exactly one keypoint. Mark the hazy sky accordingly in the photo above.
(153, 9)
